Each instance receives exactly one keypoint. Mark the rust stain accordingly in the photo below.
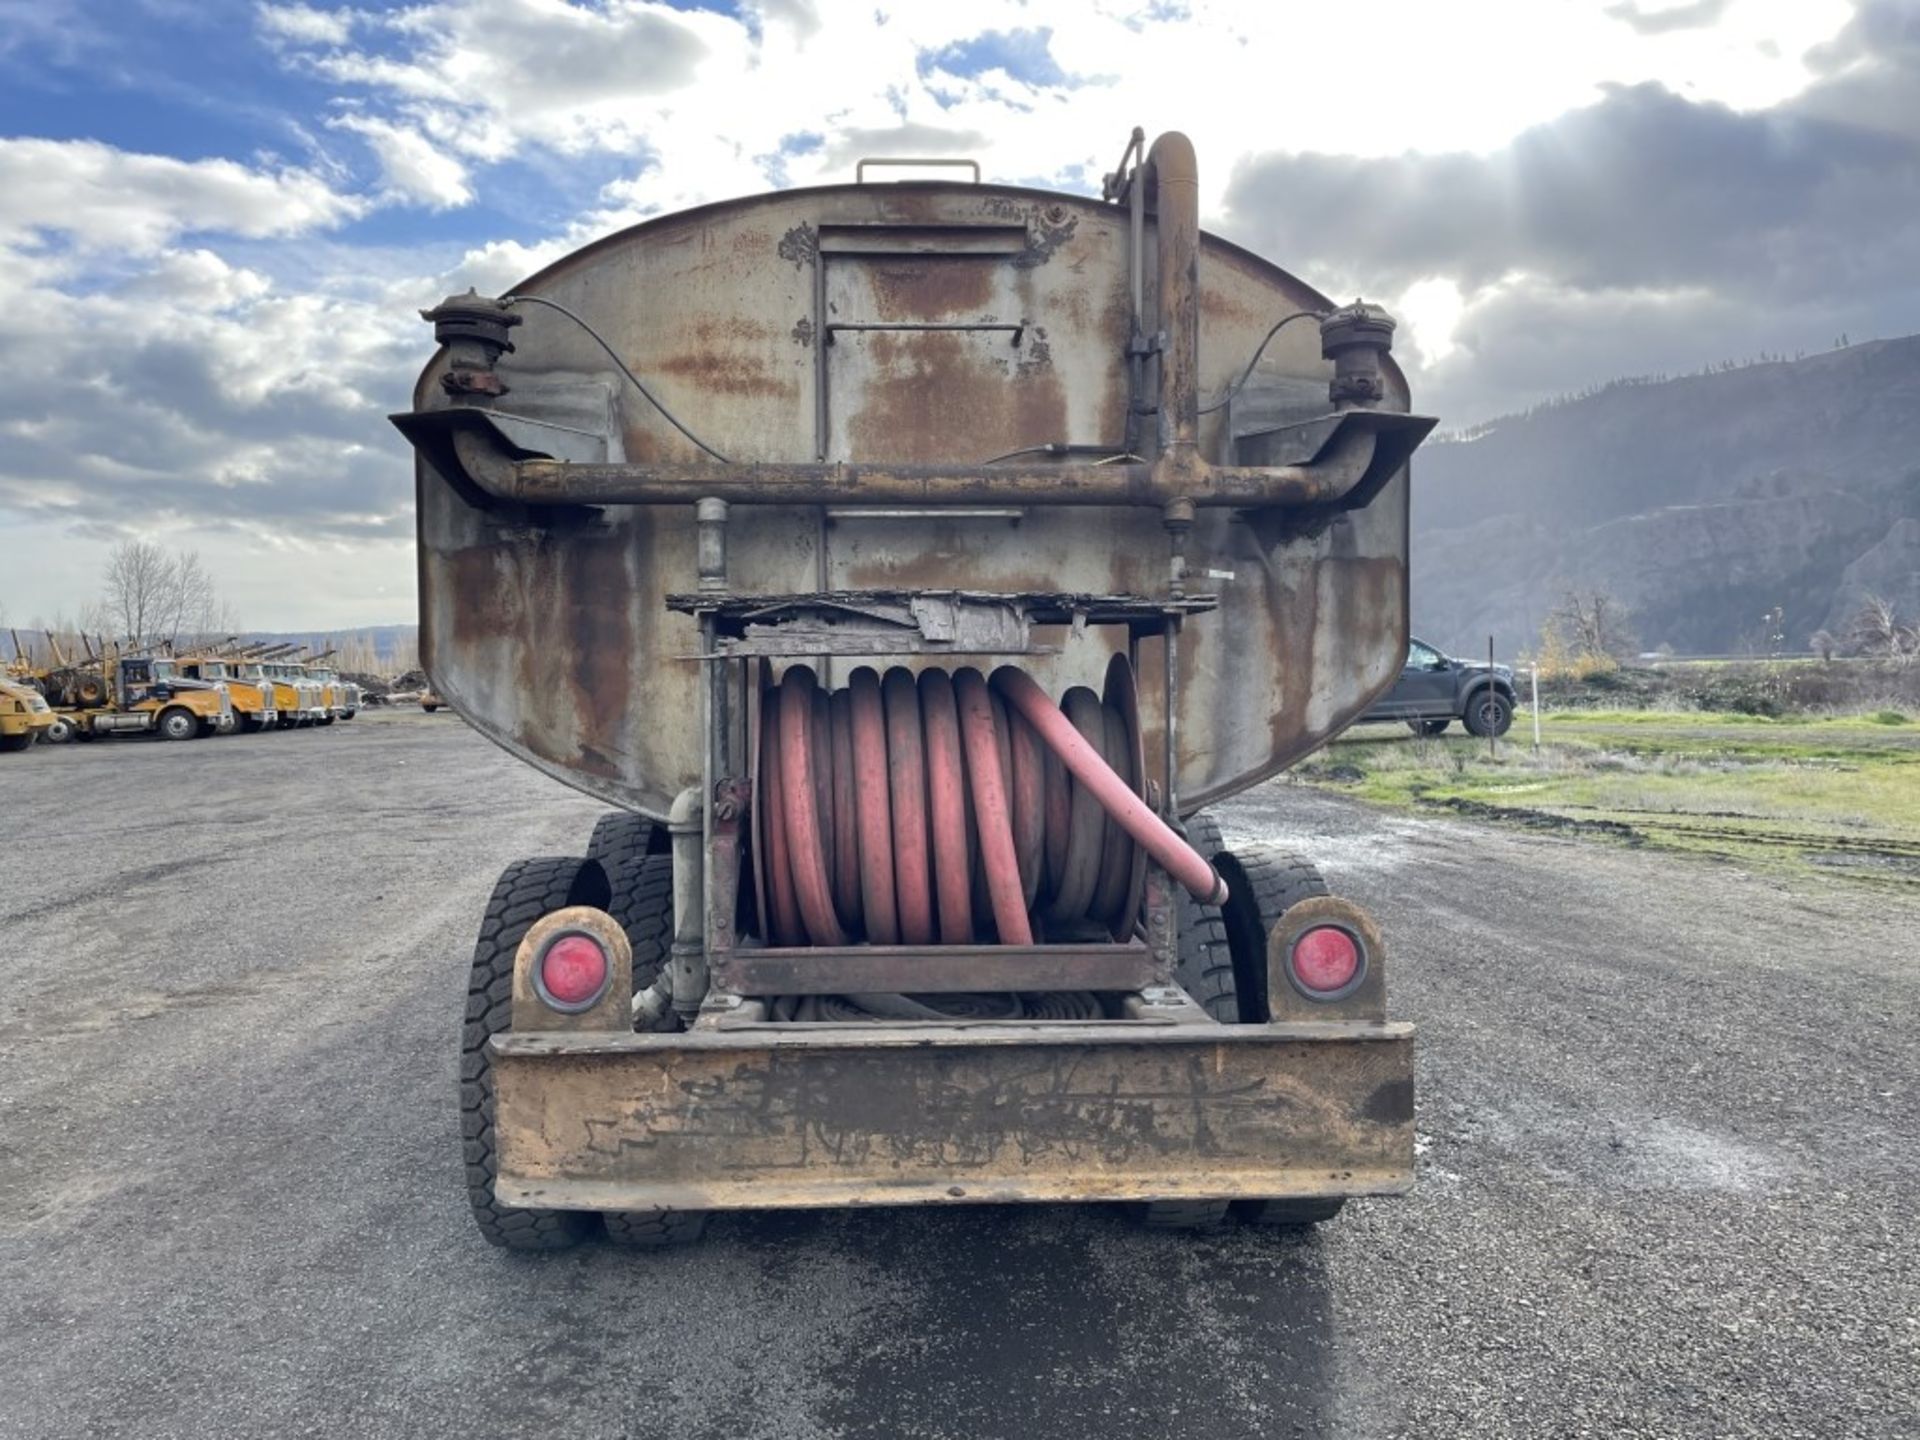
(729, 374)
(939, 395)
(932, 287)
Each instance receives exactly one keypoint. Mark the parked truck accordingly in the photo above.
(148, 693)
(254, 704)
(25, 715)
(911, 567)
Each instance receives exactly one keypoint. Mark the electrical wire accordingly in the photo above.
(1062, 447)
(632, 378)
(1246, 374)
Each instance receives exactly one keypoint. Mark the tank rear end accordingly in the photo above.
(1053, 521)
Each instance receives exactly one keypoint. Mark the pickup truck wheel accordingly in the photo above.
(1428, 727)
(526, 890)
(620, 835)
(22, 741)
(1488, 712)
(178, 724)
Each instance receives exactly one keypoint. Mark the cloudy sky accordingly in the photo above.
(217, 217)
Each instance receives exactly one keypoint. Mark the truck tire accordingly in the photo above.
(642, 902)
(1488, 712)
(61, 731)
(1205, 971)
(178, 723)
(1428, 727)
(1263, 882)
(1206, 966)
(526, 890)
(10, 743)
(621, 835)
(1291, 1214)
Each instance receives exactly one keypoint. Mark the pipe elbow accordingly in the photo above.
(687, 811)
(1173, 160)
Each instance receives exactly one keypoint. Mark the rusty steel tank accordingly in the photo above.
(915, 387)
(910, 564)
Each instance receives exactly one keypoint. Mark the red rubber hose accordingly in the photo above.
(873, 812)
(1179, 859)
(946, 808)
(846, 825)
(989, 785)
(1028, 803)
(812, 886)
(784, 910)
(907, 784)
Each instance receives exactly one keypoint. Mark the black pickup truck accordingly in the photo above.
(1434, 690)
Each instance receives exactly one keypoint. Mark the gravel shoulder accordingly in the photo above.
(1669, 1149)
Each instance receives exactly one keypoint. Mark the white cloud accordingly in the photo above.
(183, 374)
(108, 199)
(304, 24)
(413, 166)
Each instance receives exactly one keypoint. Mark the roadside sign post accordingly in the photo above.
(1492, 740)
(1535, 667)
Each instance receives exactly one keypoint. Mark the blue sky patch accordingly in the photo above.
(1023, 54)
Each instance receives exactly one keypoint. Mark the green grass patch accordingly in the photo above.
(1835, 795)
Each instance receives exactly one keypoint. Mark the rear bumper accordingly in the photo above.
(774, 1117)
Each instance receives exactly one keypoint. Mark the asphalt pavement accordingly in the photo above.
(1669, 1154)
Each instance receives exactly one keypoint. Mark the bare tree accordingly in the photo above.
(1592, 622)
(155, 596)
(1824, 644)
(406, 652)
(1876, 629)
(141, 598)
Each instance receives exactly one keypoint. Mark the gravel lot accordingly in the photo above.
(1670, 1156)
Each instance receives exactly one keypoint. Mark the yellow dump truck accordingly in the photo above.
(918, 563)
(148, 694)
(25, 715)
(254, 704)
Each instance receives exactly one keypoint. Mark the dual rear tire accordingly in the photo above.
(1223, 966)
(638, 892)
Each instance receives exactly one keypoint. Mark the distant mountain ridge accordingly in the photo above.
(1702, 502)
(386, 641)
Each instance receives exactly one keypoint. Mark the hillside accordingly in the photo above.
(1702, 502)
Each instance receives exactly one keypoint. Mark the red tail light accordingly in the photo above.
(1326, 961)
(572, 972)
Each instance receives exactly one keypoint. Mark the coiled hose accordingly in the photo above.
(941, 808)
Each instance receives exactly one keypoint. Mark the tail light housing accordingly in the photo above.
(572, 971)
(1326, 961)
